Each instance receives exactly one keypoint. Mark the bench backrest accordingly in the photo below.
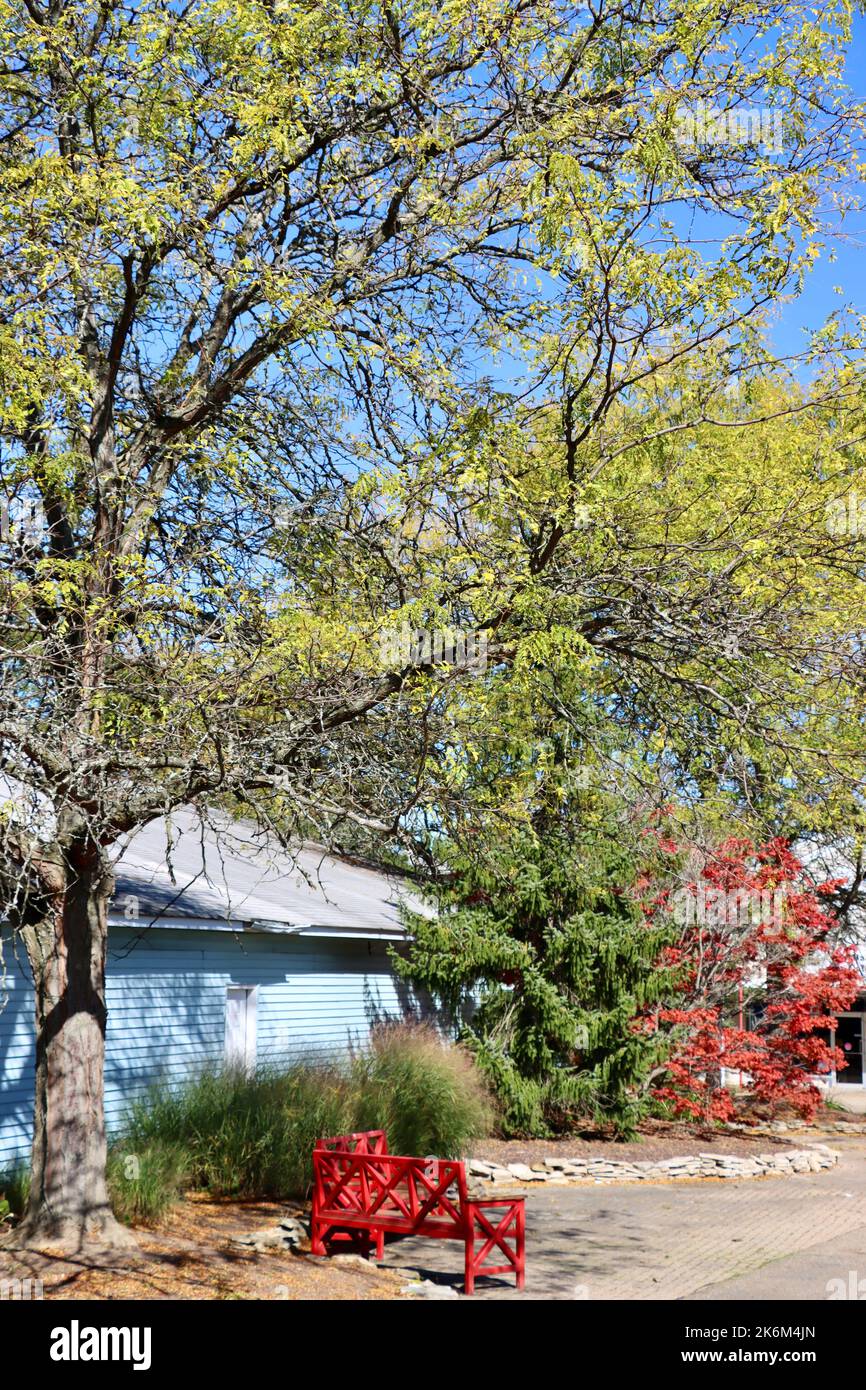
(401, 1194)
(368, 1141)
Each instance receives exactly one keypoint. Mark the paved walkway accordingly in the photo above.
(766, 1238)
(851, 1098)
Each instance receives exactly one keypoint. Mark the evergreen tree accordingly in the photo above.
(542, 949)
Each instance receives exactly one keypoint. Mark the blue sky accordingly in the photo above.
(848, 272)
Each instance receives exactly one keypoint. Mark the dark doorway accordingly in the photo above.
(849, 1038)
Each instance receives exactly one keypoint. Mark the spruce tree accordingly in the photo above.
(541, 948)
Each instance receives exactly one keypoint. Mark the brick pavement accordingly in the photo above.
(666, 1241)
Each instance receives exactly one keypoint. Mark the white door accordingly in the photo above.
(241, 1027)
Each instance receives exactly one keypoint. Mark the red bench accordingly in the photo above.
(362, 1193)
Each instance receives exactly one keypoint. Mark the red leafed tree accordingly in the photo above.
(760, 979)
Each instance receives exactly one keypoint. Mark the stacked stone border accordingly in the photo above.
(814, 1159)
(791, 1126)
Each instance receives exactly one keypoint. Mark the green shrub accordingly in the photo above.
(428, 1098)
(245, 1136)
(145, 1183)
(253, 1136)
(319, 1103)
(14, 1191)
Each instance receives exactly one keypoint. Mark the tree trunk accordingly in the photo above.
(69, 1206)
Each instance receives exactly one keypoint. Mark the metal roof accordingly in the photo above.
(186, 871)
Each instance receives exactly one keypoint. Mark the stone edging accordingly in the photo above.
(777, 1127)
(599, 1170)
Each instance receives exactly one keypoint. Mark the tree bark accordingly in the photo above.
(69, 1206)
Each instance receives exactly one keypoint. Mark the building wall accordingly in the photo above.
(166, 1009)
(16, 1052)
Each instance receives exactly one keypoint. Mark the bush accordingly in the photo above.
(145, 1184)
(428, 1098)
(14, 1191)
(544, 950)
(142, 1184)
(243, 1136)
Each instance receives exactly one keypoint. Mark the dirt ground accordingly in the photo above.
(653, 1142)
(191, 1256)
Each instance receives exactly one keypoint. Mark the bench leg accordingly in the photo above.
(521, 1246)
(317, 1231)
(469, 1267)
(506, 1233)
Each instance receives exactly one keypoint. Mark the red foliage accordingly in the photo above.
(754, 928)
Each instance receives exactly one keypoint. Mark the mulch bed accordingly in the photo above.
(755, 1112)
(191, 1256)
(654, 1141)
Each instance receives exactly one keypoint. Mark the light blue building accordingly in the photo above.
(222, 946)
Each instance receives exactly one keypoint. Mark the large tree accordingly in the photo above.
(250, 253)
